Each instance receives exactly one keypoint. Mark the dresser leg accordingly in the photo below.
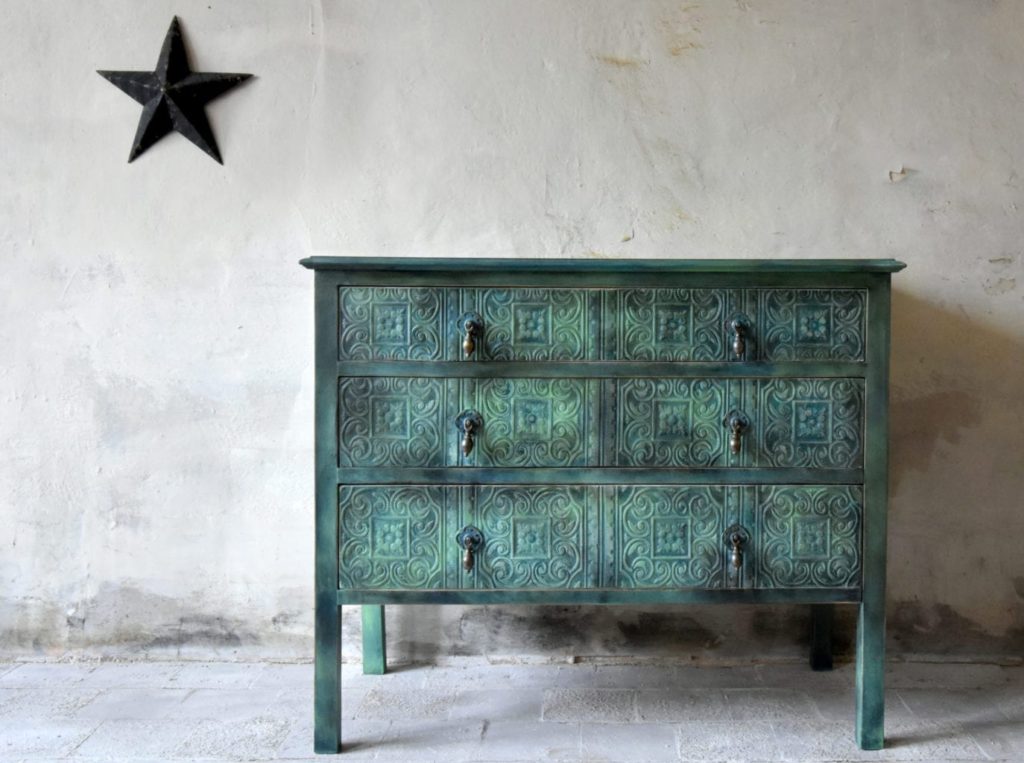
(871, 675)
(821, 636)
(327, 677)
(375, 653)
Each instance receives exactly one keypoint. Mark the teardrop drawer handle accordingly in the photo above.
(736, 536)
(470, 540)
(739, 326)
(469, 425)
(472, 327)
(737, 423)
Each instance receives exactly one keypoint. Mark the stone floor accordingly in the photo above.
(478, 712)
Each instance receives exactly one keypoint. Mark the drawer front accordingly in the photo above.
(556, 537)
(667, 536)
(811, 324)
(395, 537)
(542, 324)
(412, 421)
(671, 324)
(535, 536)
(668, 422)
(538, 324)
(394, 323)
(807, 536)
(812, 423)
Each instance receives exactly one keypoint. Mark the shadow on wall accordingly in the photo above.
(956, 477)
(949, 390)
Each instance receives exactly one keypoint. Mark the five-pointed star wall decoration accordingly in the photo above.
(173, 97)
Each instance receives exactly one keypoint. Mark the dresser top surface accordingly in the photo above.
(586, 264)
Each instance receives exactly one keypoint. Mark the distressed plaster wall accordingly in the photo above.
(155, 428)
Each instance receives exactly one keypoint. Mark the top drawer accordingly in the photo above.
(550, 324)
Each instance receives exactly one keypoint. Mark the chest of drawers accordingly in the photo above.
(600, 431)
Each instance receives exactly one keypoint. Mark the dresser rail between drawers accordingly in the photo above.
(597, 475)
(605, 596)
(451, 369)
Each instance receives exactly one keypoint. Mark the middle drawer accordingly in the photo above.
(623, 422)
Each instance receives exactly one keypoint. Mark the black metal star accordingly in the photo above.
(173, 97)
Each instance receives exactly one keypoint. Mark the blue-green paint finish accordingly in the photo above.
(667, 537)
(535, 537)
(807, 536)
(375, 652)
(603, 471)
(538, 268)
(327, 655)
(870, 673)
(666, 422)
(811, 423)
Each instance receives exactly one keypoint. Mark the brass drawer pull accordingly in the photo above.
(736, 536)
(737, 423)
(470, 539)
(469, 424)
(739, 326)
(472, 327)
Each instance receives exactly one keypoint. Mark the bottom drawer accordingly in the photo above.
(564, 537)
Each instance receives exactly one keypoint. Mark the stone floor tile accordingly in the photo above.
(132, 704)
(401, 676)
(297, 703)
(43, 739)
(933, 675)
(523, 704)
(648, 742)
(7, 667)
(931, 741)
(841, 705)
(228, 704)
(740, 677)
(589, 706)
(36, 675)
(634, 677)
(681, 705)
(131, 675)
(360, 740)
(526, 741)
(253, 739)
(770, 704)
(44, 704)
(963, 705)
(286, 676)
(999, 739)
(432, 740)
(128, 740)
(709, 742)
(792, 676)
(824, 741)
(405, 705)
(215, 675)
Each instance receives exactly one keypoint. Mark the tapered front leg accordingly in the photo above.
(374, 641)
(821, 636)
(327, 677)
(871, 676)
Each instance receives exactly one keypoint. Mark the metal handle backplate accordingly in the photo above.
(470, 539)
(739, 326)
(737, 423)
(472, 327)
(469, 424)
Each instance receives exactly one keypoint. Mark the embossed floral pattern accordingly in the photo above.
(812, 421)
(389, 323)
(670, 537)
(530, 538)
(389, 537)
(673, 325)
(531, 324)
(812, 323)
(390, 417)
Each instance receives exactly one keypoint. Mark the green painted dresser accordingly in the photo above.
(600, 431)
